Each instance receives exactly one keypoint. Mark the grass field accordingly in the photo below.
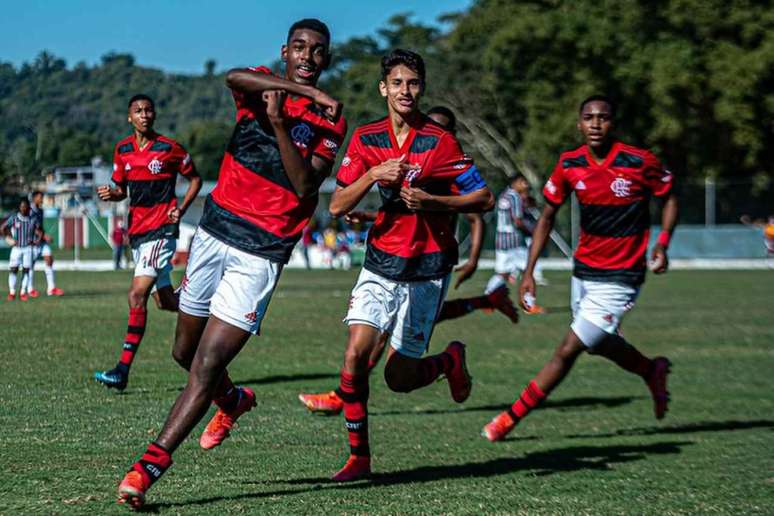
(593, 448)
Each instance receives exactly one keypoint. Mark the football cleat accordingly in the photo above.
(326, 403)
(356, 468)
(499, 427)
(501, 301)
(11, 297)
(460, 381)
(219, 427)
(56, 291)
(34, 293)
(114, 378)
(24, 297)
(657, 383)
(132, 489)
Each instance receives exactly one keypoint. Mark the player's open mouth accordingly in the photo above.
(406, 102)
(305, 71)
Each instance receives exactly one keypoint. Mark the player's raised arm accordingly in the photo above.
(306, 176)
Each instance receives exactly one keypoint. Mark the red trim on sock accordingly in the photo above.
(530, 398)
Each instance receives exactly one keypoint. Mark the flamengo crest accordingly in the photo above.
(155, 166)
(621, 187)
(301, 134)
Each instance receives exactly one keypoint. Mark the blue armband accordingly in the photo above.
(470, 181)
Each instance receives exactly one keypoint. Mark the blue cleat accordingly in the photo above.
(114, 379)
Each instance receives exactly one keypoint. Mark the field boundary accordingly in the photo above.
(549, 264)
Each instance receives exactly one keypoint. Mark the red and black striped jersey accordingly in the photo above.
(405, 245)
(254, 206)
(150, 175)
(614, 201)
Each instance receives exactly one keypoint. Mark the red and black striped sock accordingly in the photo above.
(226, 395)
(530, 398)
(353, 391)
(134, 333)
(430, 368)
(153, 463)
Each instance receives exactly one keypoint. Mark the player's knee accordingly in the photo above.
(182, 357)
(356, 357)
(136, 297)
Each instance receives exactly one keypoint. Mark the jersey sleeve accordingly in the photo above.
(186, 162)
(449, 161)
(241, 100)
(353, 166)
(657, 177)
(557, 188)
(119, 169)
(331, 140)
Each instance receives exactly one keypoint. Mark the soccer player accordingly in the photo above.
(285, 142)
(145, 168)
(42, 248)
(514, 226)
(424, 179)
(21, 231)
(613, 182)
(330, 403)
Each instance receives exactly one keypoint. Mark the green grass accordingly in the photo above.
(594, 448)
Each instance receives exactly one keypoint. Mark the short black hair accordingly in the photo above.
(23, 200)
(141, 96)
(599, 98)
(311, 24)
(444, 111)
(407, 58)
(518, 176)
(36, 192)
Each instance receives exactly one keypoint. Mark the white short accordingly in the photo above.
(601, 304)
(511, 261)
(20, 257)
(43, 250)
(406, 309)
(154, 259)
(223, 281)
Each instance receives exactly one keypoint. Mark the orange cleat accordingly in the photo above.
(219, 427)
(132, 489)
(24, 297)
(501, 301)
(56, 291)
(535, 310)
(34, 293)
(657, 383)
(460, 381)
(499, 427)
(356, 468)
(326, 403)
(11, 297)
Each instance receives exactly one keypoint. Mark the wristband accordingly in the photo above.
(663, 239)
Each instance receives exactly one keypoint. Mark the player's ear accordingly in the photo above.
(284, 53)
(327, 59)
(383, 88)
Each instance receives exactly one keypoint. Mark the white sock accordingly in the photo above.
(31, 276)
(24, 282)
(494, 283)
(12, 282)
(49, 277)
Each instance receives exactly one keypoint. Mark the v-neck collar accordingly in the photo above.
(608, 159)
(394, 140)
(147, 145)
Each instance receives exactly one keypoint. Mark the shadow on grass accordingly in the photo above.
(705, 426)
(565, 404)
(284, 378)
(569, 459)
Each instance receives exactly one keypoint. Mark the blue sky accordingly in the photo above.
(179, 35)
